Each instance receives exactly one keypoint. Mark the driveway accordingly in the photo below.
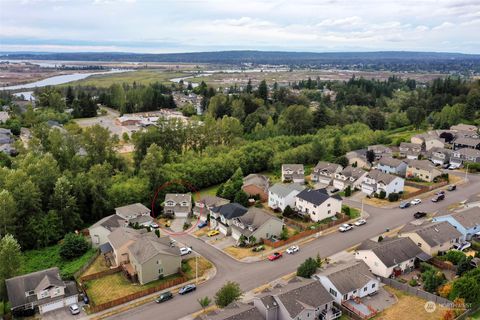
(62, 314)
(252, 275)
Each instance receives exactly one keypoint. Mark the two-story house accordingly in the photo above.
(377, 181)
(178, 204)
(391, 256)
(349, 176)
(256, 185)
(464, 142)
(392, 165)
(100, 230)
(42, 290)
(135, 213)
(464, 127)
(428, 141)
(205, 204)
(358, 158)
(467, 222)
(293, 173)
(423, 170)
(410, 150)
(432, 238)
(380, 150)
(221, 217)
(460, 156)
(439, 156)
(281, 195)
(324, 172)
(254, 225)
(318, 204)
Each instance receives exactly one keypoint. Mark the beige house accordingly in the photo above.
(178, 204)
(432, 238)
(422, 169)
(428, 141)
(324, 172)
(119, 241)
(293, 173)
(256, 223)
(358, 158)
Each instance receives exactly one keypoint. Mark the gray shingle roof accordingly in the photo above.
(467, 141)
(254, 217)
(213, 201)
(149, 245)
(110, 222)
(230, 210)
(435, 233)
(468, 218)
(132, 210)
(121, 236)
(422, 165)
(326, 167)
(349, 276)
(468, 152)
(390, 162)
(380, 176)
(316, 197)
(353, 172)
(257, 180)
(284, 189)
(392, 251)
(293, 167)
(237, 311)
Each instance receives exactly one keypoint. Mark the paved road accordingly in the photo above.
(252, 275)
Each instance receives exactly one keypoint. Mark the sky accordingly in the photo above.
(158, 26)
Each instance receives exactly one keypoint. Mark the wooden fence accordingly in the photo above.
(305, 233)
(423, 189)
(134, 296)
(77, 274)
(415, 291)
(442, 264)
(100, 274)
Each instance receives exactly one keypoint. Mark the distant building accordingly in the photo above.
(256, 185)
(324, 172)
(293, 173)
(178, 204)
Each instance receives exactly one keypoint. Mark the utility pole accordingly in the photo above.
(196, 268)
(466, 174)
(361, 213)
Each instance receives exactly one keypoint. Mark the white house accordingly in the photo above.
(391, 256)
(293, 173)
(282, 195)
(221, 217)
(348, 280)
(349, 176)
(318, 204)
(392, 165)
(324, 172)
(377, 181)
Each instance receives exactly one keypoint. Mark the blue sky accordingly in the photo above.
(157, 26)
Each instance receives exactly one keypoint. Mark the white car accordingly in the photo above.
(185, 250)
(462, 246)
(293, 249)
(74, 309)
(453, 167)
(415, 202)
(154, 225)
(345, 227)
(360, 222)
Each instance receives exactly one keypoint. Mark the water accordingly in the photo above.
(52, 81)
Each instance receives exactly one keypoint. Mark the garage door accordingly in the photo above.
(71, 300)
(50, 306)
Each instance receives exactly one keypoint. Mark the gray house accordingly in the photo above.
(134, 213)
(465, 155)
(100, 230)
(221, 217)
(178, 204)
(293, 173)
(256, 223)
(204, 204)
(392, 165)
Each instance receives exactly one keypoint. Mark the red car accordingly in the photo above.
(275, 256)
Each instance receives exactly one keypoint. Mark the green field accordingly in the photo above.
(138, 76)
(35, 260)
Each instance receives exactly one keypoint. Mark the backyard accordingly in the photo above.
(98, 265)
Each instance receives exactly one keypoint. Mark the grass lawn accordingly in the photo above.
(97, 266)
(474, 316)
(115, 286)
(409, 307)
(404, 134)
(203, 266)
(240, 253)
(210, 191)
(35, 260)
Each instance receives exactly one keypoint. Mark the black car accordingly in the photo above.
(438, 197)
(188, 288)
(419, 214)
(452, 187)
(164, 297)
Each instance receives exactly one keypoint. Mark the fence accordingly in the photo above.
(423, 189)
(442, 264)
(133, 296)
(348, 312)
(77, 274)
(100, 274)
(305, 233)
(415, 291)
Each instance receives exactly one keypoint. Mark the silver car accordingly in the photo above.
(74, 309)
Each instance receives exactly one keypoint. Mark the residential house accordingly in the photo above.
(6, 136)
(348, 280)
(221, 217)
(4, 116)
(410, 150)
(234, 311)
(135, 213)
(465, 142)
(293, 173)
(100, 230)
(205, 204)
(349, 176)
(42, 290)
(119, 240)
(423, 170)
(439, 156)
(297, 300)
(391, 256)
(392, 165)
(281, 195)
(380, 150)
(178, 204)
(377, 181)
(428, 141)
(256, 185)
(152, 258)
(318, 204)
(256, 224)
(461, 156)
(464, 127)
(432, 238)
(324, 172)
(467, 221)
(358, 158)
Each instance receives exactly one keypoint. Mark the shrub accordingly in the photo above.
(227, 294)
(73, 246)
(186, 225)
(382, 195)
(288, 212)
(392, 197)
(307, 268)
(348, 191)
(284, 234)
(454, 256)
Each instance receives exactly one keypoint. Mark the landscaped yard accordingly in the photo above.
(115, 286)
(97, 266)
(35, 260)
(409, 307)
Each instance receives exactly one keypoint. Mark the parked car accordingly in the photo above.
(419, 214)
(415, 202)
(164, 297)
(452, 187)
(438, 197)
(404, 205)
(345, 227)
(360, 222)
(259, 248)
(275, 256)
(168, 223)
(74, 309)
(202, 224)
(462, 246)
(293, 249)
(445, 166)
(335, 190)
(212, 233)
(453, 166)
(188, 288)
(185, 250)
(85, 298)
(154, 225)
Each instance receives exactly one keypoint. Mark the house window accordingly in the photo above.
(30, 293)
(333, 292)
(328, 205)
(365, 289)
(419, 244)
(373, 285)
(345, 297)
(160, 271)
